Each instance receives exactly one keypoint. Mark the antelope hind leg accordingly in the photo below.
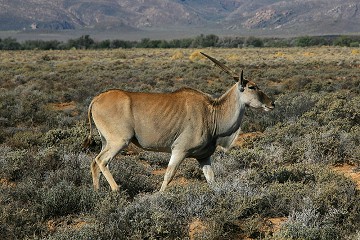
(102, 160)
(95, 172)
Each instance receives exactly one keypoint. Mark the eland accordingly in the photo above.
(186, 123)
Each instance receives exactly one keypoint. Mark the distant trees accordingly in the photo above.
(42, 45)
(254, 42)
(307, 41)
(231, 42)
(9, 44)
(205, 41)
(347, 41)
(121, 44)
(201, 41)
(84, 42)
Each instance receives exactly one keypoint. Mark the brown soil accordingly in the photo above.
(349, 172)
(177, 180)
(244, 138)
(65, 222)
(267, 227)
(182, 181)
(159, 171)
(274, 224)
(132, 150)
(51, 225)
(196, 229)
(63, 106)
(7, 183)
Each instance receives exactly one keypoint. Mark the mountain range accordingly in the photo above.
(293, 17)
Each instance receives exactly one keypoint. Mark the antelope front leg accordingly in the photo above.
(175, 160)
(205, 164)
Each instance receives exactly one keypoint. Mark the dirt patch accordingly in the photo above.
(274, 224)
(76, 223)
(349, 172)
(177, 180)
(196, 229)
(7, 183)
(65, 106)
(51, 225)
(131, 150)
(265, 227)
(69, 107)
(244, 138)
(181, 181)
(269, 226)
(160, 171)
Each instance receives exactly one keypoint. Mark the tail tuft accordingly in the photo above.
(88, 142)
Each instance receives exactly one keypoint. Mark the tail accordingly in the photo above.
(88, 141)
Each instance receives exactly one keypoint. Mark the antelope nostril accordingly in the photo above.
(273, 104)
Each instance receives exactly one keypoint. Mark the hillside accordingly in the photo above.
(232, 16)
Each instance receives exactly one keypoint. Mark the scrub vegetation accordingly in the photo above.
(282, 167)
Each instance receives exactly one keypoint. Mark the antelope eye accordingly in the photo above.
(252, 87)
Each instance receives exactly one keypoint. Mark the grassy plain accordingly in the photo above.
(283, 171)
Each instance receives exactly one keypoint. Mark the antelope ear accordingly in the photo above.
(241, 81)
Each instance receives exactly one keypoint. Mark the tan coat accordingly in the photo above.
(185, 123)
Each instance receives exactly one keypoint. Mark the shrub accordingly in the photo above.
(72, 138)
(307, 224)
(65, 198)
(19, 209)
(9, 108)
(15, 164)
(54, 165)
(132, 176)
(25, 139)
(85, 232)
(146, 217)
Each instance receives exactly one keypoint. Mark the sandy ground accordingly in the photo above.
(349, 172)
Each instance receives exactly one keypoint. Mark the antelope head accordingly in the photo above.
(251, 94)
